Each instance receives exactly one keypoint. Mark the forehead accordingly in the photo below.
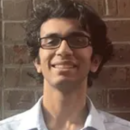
(60, 26)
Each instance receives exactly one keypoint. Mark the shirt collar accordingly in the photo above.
(94, 119)
(33, 118)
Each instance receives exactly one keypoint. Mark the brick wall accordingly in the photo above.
(18, 91)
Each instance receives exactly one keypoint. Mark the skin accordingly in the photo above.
(65, 73)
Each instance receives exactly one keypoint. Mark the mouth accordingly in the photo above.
(64, 66)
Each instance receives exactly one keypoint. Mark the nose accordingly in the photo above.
(64, 49)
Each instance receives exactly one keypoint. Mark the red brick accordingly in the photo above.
(17, 9)
(1, 77)
(121, 56)
(16, 54)
(0, 31)
(98, 5)
(1, 55)
(0, 11)
(99, 97)
(26, 78)
(12, 113)
(123, 8)
(22, 78)
(112, 7)
(123, 115)
(18, 100)
(119, 30)
(119, 99)
(12, 81)
(0, 104)
(119, 8)
(118, 77)
(14, 33)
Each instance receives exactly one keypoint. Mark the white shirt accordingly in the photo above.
(33, 120)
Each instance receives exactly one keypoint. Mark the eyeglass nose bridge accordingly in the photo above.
(64, 39)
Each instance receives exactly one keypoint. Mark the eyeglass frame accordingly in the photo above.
(65, 38)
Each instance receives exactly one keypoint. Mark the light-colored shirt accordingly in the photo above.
(33, 119)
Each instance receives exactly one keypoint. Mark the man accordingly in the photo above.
(68, 45)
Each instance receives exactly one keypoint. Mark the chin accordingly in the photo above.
(64, 79)
(65, 83)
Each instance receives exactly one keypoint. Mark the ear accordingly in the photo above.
(95, 63)
(37, 66)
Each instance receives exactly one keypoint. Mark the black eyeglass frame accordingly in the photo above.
(66, 39)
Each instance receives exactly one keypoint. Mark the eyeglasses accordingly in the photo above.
(76, 41)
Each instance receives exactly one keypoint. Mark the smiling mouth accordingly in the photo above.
(64, 66)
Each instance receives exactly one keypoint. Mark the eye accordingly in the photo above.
(82, 39)
(79, 40)
(53, 41)
(50, 41)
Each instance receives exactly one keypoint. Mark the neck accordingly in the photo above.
(64, 109)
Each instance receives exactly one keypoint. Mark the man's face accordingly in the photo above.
(65, 66)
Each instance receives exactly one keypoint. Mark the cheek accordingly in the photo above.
(45, 57)
(84, 55)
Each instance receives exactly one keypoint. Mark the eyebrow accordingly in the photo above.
(52, 35)
(70, 33)
(78, 33)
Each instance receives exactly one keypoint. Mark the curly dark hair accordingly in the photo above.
(70, 9)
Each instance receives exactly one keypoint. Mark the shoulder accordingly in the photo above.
(12, 123)
(112, 122)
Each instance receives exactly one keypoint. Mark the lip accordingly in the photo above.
(64, 65)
